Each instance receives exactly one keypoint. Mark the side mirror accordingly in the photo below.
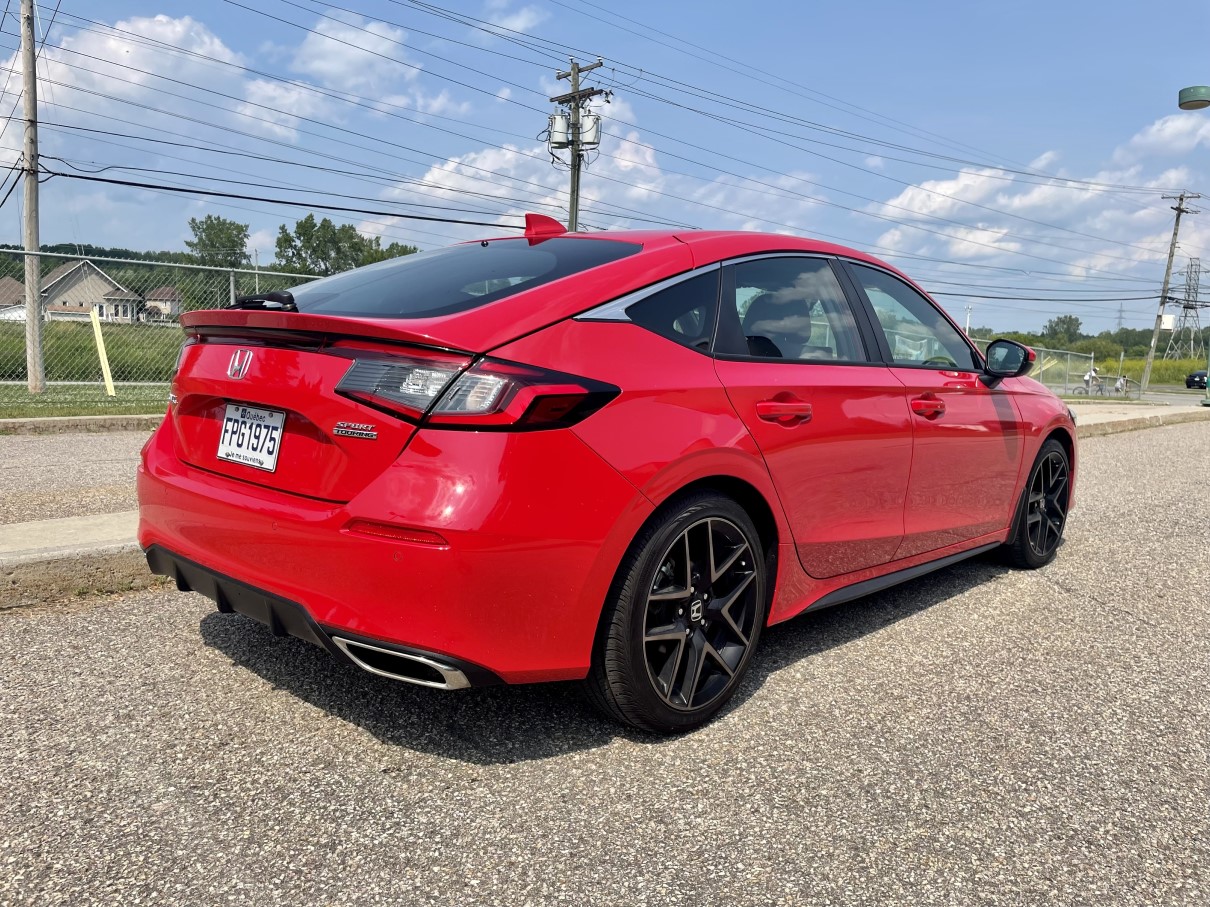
(1008, 359)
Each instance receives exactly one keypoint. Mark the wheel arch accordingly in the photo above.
(744, 493)
(1068, 442)
(1067, 439)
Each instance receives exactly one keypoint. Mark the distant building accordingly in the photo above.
(12, 299)
(163, 304)
(72, 291)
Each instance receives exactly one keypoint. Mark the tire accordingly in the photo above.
(1042, 511)
(684, 616)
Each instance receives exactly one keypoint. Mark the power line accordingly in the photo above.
(491, 175)
(779, 190)
(281, 201)
(653, 132)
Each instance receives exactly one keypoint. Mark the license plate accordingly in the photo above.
(251, 436)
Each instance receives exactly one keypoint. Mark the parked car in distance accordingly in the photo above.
(1196, 379)
(612, 457)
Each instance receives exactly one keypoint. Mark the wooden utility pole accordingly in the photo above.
(572, 100)
(1180, 209)
(33, 264)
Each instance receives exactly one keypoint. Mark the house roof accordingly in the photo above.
(12, 292)
(164, 294)
(59, 273)
(121, 296)
(68, 267)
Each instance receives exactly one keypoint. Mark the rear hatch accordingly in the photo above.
(280, 408)
(316, 391)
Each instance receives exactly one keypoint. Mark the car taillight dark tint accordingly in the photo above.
(491, 395)
(404, 385)
(455, 279)
(494, 394)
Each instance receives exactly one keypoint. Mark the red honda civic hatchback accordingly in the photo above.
(614, 457)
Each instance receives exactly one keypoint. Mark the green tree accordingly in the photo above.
(218, 242)
(322, 248)
(1062, 331)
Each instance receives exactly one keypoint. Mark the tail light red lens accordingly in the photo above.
(490, 395)
(495, 394)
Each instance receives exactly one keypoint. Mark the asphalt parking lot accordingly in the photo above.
(980, 736)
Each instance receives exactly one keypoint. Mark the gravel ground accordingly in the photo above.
(981, 736)
(72, 474)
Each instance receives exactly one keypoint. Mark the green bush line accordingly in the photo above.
(1163, 371)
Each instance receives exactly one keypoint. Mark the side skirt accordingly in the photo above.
(878, 583)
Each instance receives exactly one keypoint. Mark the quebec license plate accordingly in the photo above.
(251, 436)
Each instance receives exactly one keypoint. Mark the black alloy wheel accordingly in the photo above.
(685, 617)
(1043, 513)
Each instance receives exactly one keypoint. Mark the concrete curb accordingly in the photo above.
(1156, 420)
(30, 578)
(55, 425)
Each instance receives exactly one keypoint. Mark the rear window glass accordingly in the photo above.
(456, 278)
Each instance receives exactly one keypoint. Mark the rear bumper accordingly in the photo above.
(287, 618)
(535, 525)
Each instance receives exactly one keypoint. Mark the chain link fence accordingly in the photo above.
(1063, 372)
(138, 305)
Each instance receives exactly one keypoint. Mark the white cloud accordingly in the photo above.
(265, 244)
(1178, 134)
(942, 197)
(522, 19)
(971, 242)
(354, 55)
(440, 104)
(278, 106)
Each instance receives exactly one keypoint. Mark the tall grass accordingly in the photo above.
(137, 352)
(1163, 371)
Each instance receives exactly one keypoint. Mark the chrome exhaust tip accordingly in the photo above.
(418, 669)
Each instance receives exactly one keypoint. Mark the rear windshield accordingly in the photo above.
(456, 278)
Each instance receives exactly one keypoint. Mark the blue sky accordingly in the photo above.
(988, 150)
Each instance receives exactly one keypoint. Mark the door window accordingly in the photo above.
(916, 332)
(792, 308)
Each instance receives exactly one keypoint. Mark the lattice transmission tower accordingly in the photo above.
(1186, 341)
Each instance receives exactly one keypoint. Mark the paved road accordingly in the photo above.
(978, 737)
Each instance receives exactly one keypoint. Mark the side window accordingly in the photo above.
(684, 312)
(794, 308)
(916, 331)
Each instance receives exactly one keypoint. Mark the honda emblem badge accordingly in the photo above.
(240, 361)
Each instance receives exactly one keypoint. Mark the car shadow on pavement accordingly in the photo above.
(507, 724)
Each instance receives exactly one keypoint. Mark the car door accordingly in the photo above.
(969, 438)
(831, 421)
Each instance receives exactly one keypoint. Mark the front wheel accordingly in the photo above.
(684, 617)
(1042, 513)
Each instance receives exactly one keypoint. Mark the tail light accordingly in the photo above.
(491, 395)
(494, 394)
(403, 385)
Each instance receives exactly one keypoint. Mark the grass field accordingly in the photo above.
(1163, 371)
(82, 400)
(137, 352)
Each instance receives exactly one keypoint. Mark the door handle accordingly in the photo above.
(928, 405)
(788, 411)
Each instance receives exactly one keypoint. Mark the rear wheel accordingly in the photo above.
(684, 617)
(1043, 511)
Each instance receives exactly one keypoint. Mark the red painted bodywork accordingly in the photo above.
(859, 472)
